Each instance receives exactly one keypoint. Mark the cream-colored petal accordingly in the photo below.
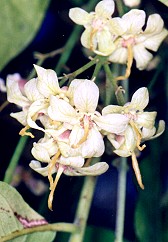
(130, 139)
(47, 81)
(86, 39)
(105, 42)
(77, 161)
(112, 123)
(154, 24)
(40, 153)
(14, 94)
(94, 170)
(148, 133)
(36, 108)
(86, 96)
(140, 99)
(122, 153)
(79, 16)
(74, 84)
(142, 56)
(105, 8)
(146, 119)
(120, 55)
(31, 91)
(134, 21)
(160, 130)
(112, 109)
(153, 42)
(60, 110)
(21, 117)
(76, 135)
(116, 140)
(94, 145)
(67, 151)
(36, 166)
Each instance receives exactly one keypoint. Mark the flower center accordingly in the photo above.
(128, 42)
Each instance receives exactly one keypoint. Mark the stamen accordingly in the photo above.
(51, 165)
(86, 132)
(129, 64)
(139, 136)
(23, 132)
(137, 170)
(52, 188)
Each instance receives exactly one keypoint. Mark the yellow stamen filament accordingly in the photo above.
(139, 136)
(23, 132)
(137, 170)
(129, 65)
(52, 188)
(86, 132)
(51, 165)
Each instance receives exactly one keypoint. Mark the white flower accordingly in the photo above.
(2, 85)
(135, 42)
(84, 121)
(100, 29)
(140, 128)
(132, 3)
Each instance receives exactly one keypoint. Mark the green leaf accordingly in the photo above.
(20, 21)
(16, 214)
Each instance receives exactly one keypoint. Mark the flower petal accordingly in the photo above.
(94, 170)
(160, 130)
(86, 96)
(134, 20)
(60, 110)
(142, 56)
(146, 119)
(31, 91)
(112, 123)
(140, 99)
(14, 94)
(120, 55)
(79, 16)
(112, 109)
(36, 166)
(105, 8)
(47, 81)
(77, 161)
(94, 145)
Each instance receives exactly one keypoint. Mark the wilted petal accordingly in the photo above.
(67, 151)
(79, 16)
(105, 8)
(47, 81)
(40, 153)
(140, 99)
(86, 96)
(160, 130)
(112, 123)
(148, 133)
(94, 145)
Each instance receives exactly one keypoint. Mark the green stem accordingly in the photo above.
(118, 92)
(79, 71)
(15, 159)
(83, 208)
(120, 7)
(63, 227)
(121, 195)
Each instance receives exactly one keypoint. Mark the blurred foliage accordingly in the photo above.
(20, 21)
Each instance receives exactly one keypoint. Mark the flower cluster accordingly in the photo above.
(122, 39)
(73, 127)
